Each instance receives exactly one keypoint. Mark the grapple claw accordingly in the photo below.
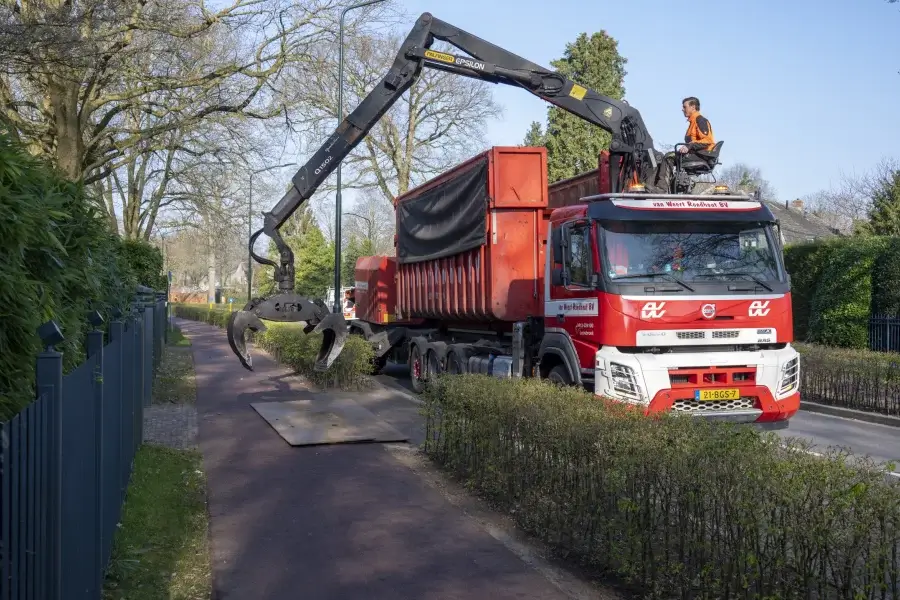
(238, 324)
(334, 335)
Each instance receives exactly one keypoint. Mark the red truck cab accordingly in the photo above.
(674, 303)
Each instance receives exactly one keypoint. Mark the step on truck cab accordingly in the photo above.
(665, 302)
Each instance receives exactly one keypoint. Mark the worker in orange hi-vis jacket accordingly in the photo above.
(699, 136)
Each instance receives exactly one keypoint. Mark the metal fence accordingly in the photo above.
(67, 458)
(884, 333)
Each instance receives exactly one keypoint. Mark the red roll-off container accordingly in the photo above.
(470, 243)
(375, 289)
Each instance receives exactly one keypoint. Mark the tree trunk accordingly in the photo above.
(63, 96)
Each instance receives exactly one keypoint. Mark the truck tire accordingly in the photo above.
(455, 365)
(559, 375)
(418, 369)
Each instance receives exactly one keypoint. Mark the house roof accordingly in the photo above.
(798, 227)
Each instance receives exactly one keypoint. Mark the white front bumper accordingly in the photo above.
(638, 378)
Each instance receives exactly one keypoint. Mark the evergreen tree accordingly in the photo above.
(313, 257)
(356, 246)
(535, 135)
(884, 215)
(573, 144)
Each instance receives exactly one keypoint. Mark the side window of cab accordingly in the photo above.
(579, 266)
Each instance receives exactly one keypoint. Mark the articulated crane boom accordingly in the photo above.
(631, 144)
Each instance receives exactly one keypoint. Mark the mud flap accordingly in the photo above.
(334, 335)
(238, 324)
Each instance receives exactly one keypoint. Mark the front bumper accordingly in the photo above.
(767, 380)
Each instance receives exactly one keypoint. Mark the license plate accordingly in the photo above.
(717, 394)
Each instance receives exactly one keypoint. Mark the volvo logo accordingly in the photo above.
(708, 310)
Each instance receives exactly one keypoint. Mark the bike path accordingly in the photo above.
(336, 522)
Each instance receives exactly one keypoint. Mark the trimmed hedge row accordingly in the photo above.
(290, 346)
(60, 261)
(674, 506)
(857, 379)
(837, 284)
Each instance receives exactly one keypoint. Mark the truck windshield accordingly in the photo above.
(690, 251)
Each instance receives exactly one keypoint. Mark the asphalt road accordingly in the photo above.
(880, 442)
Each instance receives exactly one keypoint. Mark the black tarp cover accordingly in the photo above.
(445, 220)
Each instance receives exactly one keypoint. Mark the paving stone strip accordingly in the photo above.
(172, 425)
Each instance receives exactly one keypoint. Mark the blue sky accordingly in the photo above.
(805, 90)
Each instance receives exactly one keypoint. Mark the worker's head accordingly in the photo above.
(690, 106)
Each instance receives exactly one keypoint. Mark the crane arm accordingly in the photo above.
(630, 144)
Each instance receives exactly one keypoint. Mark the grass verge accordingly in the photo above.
(161, 549)
(176, 338)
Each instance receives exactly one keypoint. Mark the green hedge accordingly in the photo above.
(60, 260)
(842, 302)
(805, 263)
(857, 379)
(886, 280)
(146, 261)
(674, 506)
(290, 346)
(837, 284)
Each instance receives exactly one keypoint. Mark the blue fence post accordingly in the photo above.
(149, 356)
(48, 380)
(95, 349)
(117, 447)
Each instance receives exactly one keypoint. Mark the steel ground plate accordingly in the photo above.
(326, 419)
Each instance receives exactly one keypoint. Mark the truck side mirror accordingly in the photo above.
(559, 246)
(557, 276)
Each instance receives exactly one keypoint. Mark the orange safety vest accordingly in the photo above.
(699, 131)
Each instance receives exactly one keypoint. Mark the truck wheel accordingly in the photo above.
(455, 364)
(433, 364)
(559, 375)
(417, 369)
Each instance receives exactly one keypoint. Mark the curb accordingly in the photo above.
(849, 413)
(396, 389)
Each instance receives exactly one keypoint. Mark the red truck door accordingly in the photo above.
(572, 308)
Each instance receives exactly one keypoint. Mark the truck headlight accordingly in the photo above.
(790, 376)
(625, 383)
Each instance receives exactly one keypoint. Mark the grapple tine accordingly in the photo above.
(238, 324)
(334, 335)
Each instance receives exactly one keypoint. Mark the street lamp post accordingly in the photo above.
(337, 197)
(250, 226)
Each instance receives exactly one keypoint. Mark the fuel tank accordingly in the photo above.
(470, 243)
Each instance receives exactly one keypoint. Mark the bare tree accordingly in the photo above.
(75, 75)
(438, 122)
(742, 177)
(372, 219)
(847, 203)
(211, 200)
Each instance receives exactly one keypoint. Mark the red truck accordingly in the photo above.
(668, 302)
(649, 294)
